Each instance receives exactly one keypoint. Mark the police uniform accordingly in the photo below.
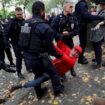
(37, 43)
(68, 23)
(12, 31)
(84, 17)
(1, 44)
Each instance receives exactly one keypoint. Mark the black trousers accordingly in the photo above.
(2, 55)
(83, 38)
(98, 51)
(9, 55)
(19, 56)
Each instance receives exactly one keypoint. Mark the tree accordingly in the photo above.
(4, 2)
(54, 3)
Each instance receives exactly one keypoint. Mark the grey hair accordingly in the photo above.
(66, 2)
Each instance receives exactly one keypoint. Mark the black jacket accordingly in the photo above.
(65, 23)
(12, 31)
(81, 10)
(41, 41)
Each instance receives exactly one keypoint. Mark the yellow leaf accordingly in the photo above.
(56, 102)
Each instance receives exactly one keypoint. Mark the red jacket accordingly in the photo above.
(66, 62)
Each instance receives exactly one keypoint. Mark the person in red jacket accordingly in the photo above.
(63, 65)
(68, 59)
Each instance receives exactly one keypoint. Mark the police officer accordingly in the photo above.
(84, 17)
(51, 18)
(3, 49)
(1, 43)
(36, 38)
(12, 31)
(66, 24)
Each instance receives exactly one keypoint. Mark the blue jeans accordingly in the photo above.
(44, 65)
(37, 81)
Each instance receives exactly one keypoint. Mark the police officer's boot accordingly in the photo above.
(60, 91)
(83, 60)
(103, 64)
(96, 65)
(12, 64)
(29, 70)
(73, 73)
(20, 75)
(40, 94)
(8, 69)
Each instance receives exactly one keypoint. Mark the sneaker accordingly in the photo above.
(15, 87)
(20, 75)
(60, 91)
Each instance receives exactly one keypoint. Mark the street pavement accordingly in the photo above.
(79, 90)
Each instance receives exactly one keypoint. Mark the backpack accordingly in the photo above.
(26, 31)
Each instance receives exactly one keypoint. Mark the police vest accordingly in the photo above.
(29, 39)
(67, 23)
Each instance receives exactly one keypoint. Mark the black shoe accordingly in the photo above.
(10, 70)
(83, 60)
(93, 60)
(42, 93)
(29, 70)
(103, 64)
(7, 69)
(13, 88)
(95, 65)
(12, 65)
(73, 73)
(20, 75)
(57, 93)
(63, 78)
(2, 101)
